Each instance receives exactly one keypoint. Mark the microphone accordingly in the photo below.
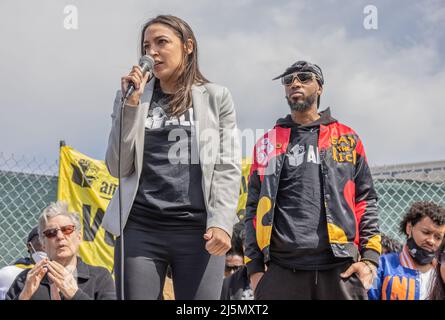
(146, 63)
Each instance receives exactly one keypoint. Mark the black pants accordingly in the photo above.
(196, 274)
(279, 283)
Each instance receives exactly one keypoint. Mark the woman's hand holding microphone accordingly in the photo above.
(139, 80)
(138, 77)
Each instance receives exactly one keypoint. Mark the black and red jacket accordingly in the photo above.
(349, 196)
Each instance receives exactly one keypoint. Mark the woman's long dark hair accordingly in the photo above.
(438, 288)
(189, 73)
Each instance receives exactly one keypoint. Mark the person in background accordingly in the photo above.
(235, 256)
(236, 285)
(438, 287)
(408, 275)
(9, 273)
(390, 245)
(62, 275)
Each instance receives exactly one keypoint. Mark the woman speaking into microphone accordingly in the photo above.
(179, 169)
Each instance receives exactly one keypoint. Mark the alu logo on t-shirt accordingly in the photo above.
(158, 118)
(296, 155)
(298, 152)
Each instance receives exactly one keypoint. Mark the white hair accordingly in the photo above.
(59, 208)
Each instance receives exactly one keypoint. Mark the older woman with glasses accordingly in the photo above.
(63, 275)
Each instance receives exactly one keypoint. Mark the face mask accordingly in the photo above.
(38, 256)
(420, 255)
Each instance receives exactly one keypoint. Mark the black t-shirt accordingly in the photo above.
(299, 237)
(170, 193)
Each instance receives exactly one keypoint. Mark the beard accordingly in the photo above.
(302, 106)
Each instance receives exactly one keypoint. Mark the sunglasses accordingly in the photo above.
(302, 77)
(232, 268)
(66, 230)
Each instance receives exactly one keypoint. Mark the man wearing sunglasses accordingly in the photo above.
(311, 214)
(236, 285)
(62, 275)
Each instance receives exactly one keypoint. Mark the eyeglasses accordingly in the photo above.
(232, 268)
(66, 230)
(302, 77)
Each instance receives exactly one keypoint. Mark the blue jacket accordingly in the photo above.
(397, 278)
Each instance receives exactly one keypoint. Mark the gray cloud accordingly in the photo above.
(385, 83)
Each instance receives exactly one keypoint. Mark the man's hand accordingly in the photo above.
(254, 279)
(62, 279)
(218, 241)
(365, 273)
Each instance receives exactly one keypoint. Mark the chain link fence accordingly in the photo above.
(398, 186)
(29, 185)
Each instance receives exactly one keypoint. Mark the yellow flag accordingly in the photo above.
(245, 170)
(87, 186)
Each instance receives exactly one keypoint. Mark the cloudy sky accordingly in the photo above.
(387, 84)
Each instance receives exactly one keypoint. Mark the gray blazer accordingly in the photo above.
(217, 144)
